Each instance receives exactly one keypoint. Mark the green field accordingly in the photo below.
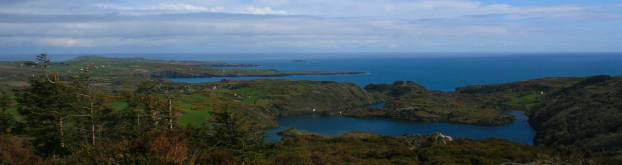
(118, 105)
(527, 101)
(195, 117)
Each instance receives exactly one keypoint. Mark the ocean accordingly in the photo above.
(442, 71)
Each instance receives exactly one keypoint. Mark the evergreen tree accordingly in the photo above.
(89, 111)
(233, 132)
(64, 116)
(5, 101)
(153, 106)
(44, 106)
(7, 122)
(168, 109)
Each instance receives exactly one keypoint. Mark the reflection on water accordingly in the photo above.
(519, 131)
(377, 105)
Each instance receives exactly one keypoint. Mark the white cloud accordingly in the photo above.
(188, 8)
(395, 9)
(265, 10)
(83, 42)
(164, 7)
(349, 24)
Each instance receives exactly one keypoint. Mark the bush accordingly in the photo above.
(17, 150)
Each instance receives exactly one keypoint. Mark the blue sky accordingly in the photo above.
(247, 26)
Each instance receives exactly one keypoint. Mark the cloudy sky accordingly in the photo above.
(213, 26)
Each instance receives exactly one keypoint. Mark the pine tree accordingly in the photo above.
(233, 132)
(5, 101)
(167, 107)
(88, 107)
(154, 106)
(44, 105)
(7, 122)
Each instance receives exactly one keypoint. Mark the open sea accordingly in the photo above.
(440, 71)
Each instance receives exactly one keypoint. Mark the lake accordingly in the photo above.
(519, 131)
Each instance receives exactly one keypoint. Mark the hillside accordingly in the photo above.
(481, 104)
(586, 114)
(261, 101)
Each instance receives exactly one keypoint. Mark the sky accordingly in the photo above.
(264, 26)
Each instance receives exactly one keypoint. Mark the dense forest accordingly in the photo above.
(74, 119)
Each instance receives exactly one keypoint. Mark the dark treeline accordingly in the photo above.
(397, 89)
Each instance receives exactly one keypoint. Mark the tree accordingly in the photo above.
(233, 132)
(398, 83)
(5, 101)
(7, 122)
(44, 105)
(167, 107)
(89, 104)
(153, 105)
(55, 112)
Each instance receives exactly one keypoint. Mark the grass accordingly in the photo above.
(514, 100)
(195, 117)
(118, 105)
(532, 97)
(251, 100)
(249, 91)
(528, 100)
(263, 102)
(129, 85)
(193, 97)
(13, 111)
(277, 95)
(471, 108)
(185, 106)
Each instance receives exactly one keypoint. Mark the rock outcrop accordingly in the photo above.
(293, 132)
(423, 140)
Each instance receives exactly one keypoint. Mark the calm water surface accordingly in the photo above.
(439, 73)
(519, 131)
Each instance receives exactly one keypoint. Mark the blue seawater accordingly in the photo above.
(443, 73)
